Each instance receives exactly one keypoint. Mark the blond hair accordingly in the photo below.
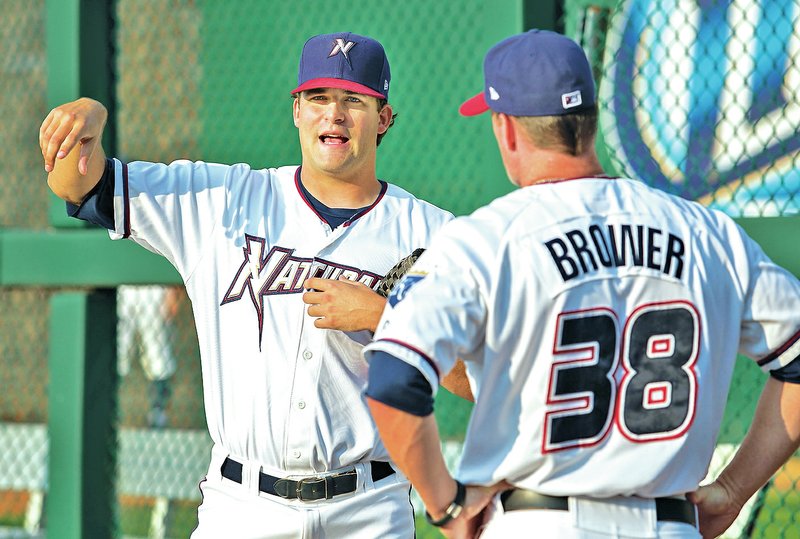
(571, 133)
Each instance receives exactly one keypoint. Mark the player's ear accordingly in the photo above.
(384, 118)
(504, 131)
(296, 110)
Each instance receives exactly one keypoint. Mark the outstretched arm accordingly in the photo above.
(69, 139)
(773, 437)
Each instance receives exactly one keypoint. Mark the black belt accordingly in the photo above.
(307, 489)
(671, 509)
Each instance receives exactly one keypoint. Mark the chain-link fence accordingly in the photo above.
(23, 203)
(698, 98)
(702, 99)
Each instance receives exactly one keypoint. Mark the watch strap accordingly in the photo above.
(453, 510)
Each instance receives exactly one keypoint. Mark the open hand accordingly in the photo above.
(77, 122)
(343, 304)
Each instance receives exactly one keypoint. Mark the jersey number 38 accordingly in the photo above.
(641, 379)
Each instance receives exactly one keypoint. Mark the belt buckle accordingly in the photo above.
(313, 483)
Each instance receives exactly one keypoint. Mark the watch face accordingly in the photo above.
(453, 510)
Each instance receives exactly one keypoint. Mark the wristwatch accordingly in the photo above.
(453, 510)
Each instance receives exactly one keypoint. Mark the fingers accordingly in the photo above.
(80, 121)
(44, 129)
(54, 137)
(315, 283)
(318, 283)
(323, 323)
(318, 287)
(312, 298)
(322, 319)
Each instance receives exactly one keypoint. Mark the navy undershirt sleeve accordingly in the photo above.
(98, 206)
(397, 384)
(788, 373)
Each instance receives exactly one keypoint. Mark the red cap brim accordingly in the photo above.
(474, 106)
(313, 84)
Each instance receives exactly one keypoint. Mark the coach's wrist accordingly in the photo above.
(452, 510)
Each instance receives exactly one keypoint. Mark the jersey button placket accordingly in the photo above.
(301, 440)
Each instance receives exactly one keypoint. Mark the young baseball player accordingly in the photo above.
(295, 453)
(599, 320)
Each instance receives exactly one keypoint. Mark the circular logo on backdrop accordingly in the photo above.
(702, 99)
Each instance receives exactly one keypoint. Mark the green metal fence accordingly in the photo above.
(699, 98)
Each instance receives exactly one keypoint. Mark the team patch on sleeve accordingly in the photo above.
(402, 288)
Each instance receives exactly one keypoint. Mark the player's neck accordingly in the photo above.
(341, 191)
(558, 166)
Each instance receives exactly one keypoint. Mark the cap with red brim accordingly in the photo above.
(338, 83)
(536, 73)
(344, 60)
(473, 106)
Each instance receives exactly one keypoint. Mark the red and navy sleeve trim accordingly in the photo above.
(98, 204)
(778, 352)
(398, 384)
(418, 352)
(789, 373)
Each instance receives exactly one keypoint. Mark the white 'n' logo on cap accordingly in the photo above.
(340, 45)
(572, 99)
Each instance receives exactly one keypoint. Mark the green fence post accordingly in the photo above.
(79, 64)
(82, 392)
(82, 409)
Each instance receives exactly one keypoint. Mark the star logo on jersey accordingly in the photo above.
(402, 288)
(340, 45)
(264, 274)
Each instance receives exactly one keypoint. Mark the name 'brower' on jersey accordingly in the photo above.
(580, 251)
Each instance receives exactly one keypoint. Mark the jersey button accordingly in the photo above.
(296, 454)
(307, 354)
(301, 404)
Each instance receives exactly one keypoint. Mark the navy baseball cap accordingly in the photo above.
(344, 60)
(538, 73)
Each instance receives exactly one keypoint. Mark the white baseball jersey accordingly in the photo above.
(599, 320)
(278, 391)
